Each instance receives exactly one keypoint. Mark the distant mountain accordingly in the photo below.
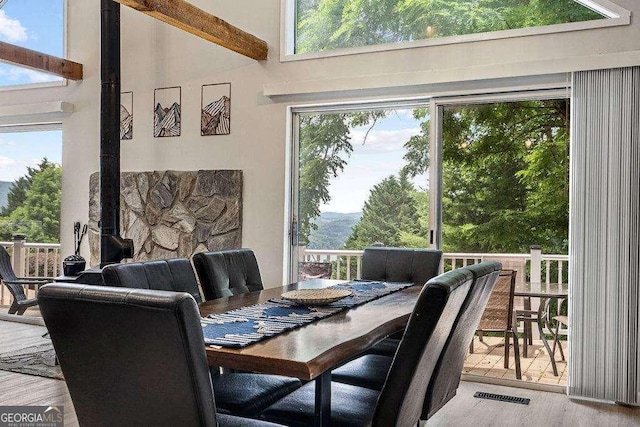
(4, 192)
(334, 229)
(216, 117)
(166, 121)
(126, 123)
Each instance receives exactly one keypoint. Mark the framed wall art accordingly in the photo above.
(167, 117)
(126, 115)
(215, 112)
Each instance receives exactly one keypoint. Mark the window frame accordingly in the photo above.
(615, 16)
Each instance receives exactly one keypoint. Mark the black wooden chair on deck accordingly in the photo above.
(16, 284)
(133, 356)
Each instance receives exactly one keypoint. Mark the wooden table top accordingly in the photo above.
(308, 351)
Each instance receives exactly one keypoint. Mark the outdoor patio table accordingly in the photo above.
(545, 292)
(311, 351)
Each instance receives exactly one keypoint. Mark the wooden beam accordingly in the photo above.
(187, 17)
(40, 61)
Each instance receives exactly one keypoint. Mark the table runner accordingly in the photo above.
(248, 325)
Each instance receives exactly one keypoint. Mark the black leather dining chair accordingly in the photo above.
(401, 399)
(371, 370)
(174, 274)
(226, 273)
(132, 356)
(398, 265)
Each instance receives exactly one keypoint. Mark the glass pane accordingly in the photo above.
(332, 24)
(362, 182)
(31, 185)
(37, 25)
(505, 174)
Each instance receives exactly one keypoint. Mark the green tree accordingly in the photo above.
(39, 215)
(332, 24)
(325, 144)
(18, 191)
(390, 216)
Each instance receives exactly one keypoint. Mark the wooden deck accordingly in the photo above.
(487, 360)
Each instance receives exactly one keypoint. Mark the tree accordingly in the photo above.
(390, 215)
(18, 192)
(333, 24)
(325, 144)
(39, 215)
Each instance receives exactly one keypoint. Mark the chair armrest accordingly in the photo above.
(30, 281)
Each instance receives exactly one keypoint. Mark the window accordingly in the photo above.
(342, 26)
(37, 25)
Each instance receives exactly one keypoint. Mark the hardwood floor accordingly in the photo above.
(545, 409)
(20, 389)
(548, 409)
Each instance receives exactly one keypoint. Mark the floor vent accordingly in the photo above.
(502, 398)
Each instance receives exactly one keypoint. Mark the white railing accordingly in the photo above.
(532, 267)
(31, 260)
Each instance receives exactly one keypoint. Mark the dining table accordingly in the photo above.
(545, 292)
(311, 351)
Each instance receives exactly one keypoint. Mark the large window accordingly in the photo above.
(329, 25)
(37, 25)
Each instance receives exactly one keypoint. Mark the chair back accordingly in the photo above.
(6, 269)
(130, 356)
(498, 313)
(429, 326)
(174, 274)
(228, 272)
(400, 265)
(7, 275)
(446, 377)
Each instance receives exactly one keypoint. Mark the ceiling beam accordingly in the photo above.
(40, 61)
(187, 17)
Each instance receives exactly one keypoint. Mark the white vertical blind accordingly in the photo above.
(604, 236)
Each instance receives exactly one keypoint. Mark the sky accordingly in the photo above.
(34, 24)
(37, 25)
(379, 157)
(19, 150)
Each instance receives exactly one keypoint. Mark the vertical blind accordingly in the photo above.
(604, 236)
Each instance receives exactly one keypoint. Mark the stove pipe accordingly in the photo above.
(112, 247)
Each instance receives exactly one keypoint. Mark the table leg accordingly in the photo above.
(323, 400)
(544, 339)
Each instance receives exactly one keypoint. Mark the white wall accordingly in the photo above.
(156, 55)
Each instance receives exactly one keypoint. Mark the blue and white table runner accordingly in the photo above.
(247, 325)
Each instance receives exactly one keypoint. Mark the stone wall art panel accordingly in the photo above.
(173, 214)
(215, 112)
(167, 117)
(126, 115)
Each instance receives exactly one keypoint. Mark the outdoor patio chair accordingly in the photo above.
(400, 401)
(314, 270)
(134, 357)
(398, 265)
(228, 272)
(175, 274)
(371, 370)
(499, 316)
(16, 284)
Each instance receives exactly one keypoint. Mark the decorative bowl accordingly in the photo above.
(316, 296)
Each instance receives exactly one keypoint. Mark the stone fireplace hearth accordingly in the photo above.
(173, 214)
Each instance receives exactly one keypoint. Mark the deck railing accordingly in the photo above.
(534, 267)
(31, 260)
